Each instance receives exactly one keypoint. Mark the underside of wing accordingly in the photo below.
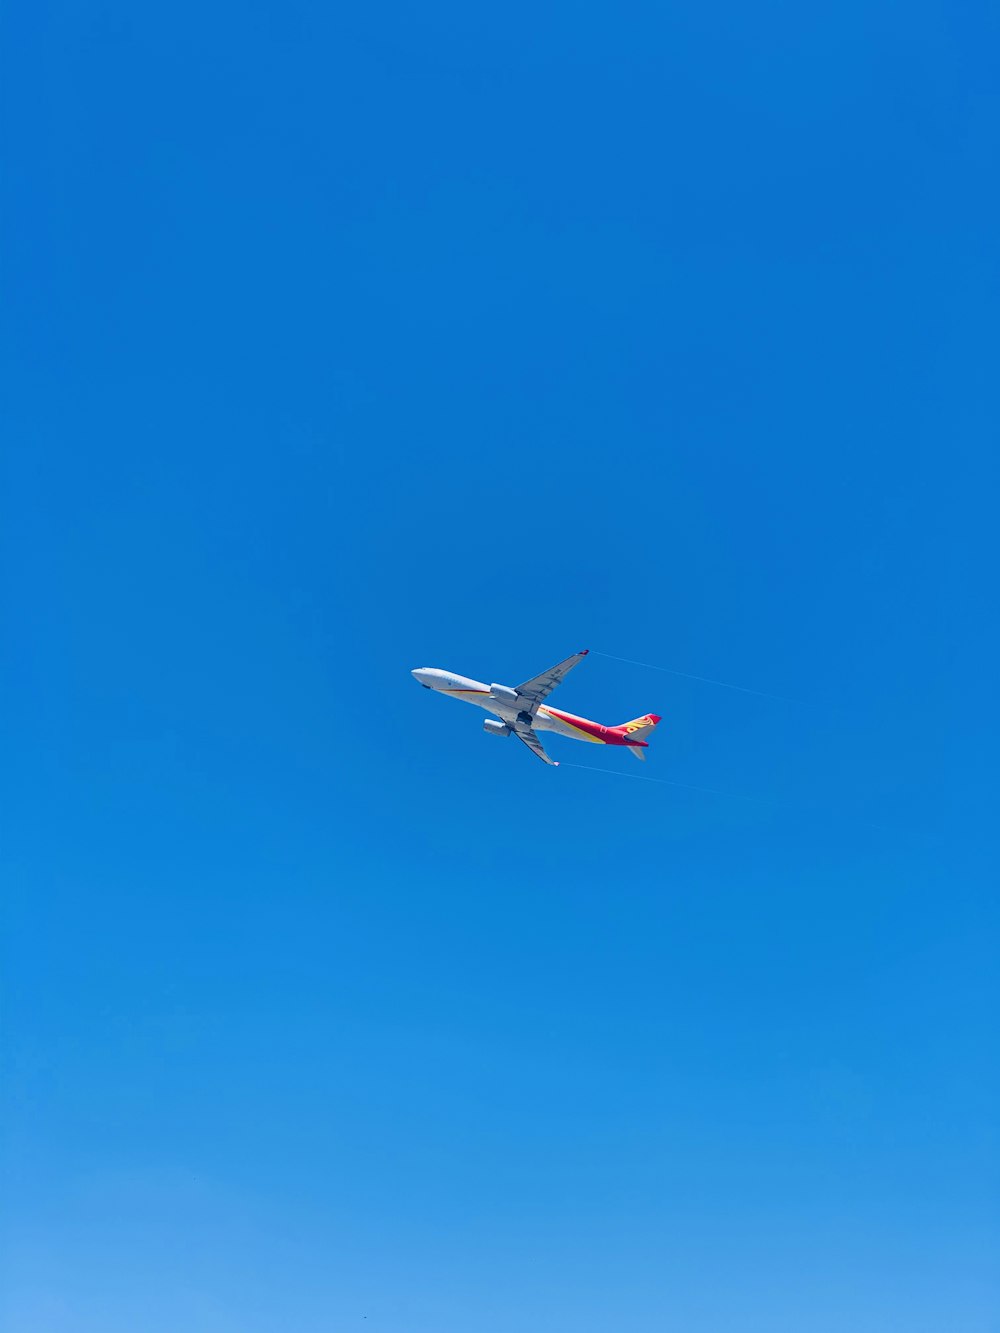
(534, 691)
(530, 738)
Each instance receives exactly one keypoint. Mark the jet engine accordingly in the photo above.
(494, 727)
(504, 693)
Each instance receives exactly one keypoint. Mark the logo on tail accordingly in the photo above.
(637, 731)
(639, 725)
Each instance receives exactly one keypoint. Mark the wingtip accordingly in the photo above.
(584, 652)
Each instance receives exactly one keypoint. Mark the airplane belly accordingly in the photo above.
(550, 721)
(469, 691)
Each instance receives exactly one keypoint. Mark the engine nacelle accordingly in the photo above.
(504, 694)
(494, 727)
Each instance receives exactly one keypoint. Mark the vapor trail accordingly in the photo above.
(706, 680)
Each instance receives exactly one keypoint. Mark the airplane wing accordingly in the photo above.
(530, 738)
(540, 687)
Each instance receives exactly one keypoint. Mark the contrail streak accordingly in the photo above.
(706, 680)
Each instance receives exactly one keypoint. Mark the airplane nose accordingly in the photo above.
(421, 676)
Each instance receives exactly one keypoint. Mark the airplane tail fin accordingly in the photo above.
(639, 730)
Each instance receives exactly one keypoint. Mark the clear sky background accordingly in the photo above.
(345, 340)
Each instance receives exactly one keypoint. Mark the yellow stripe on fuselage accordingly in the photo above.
(583, 735)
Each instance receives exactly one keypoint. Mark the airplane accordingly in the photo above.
(523, 713)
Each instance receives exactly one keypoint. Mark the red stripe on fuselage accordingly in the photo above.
(609, 735)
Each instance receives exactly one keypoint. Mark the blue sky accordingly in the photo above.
(340, 341)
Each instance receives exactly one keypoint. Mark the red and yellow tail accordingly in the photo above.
(638, 731)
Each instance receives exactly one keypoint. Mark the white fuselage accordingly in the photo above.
(501, 701)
